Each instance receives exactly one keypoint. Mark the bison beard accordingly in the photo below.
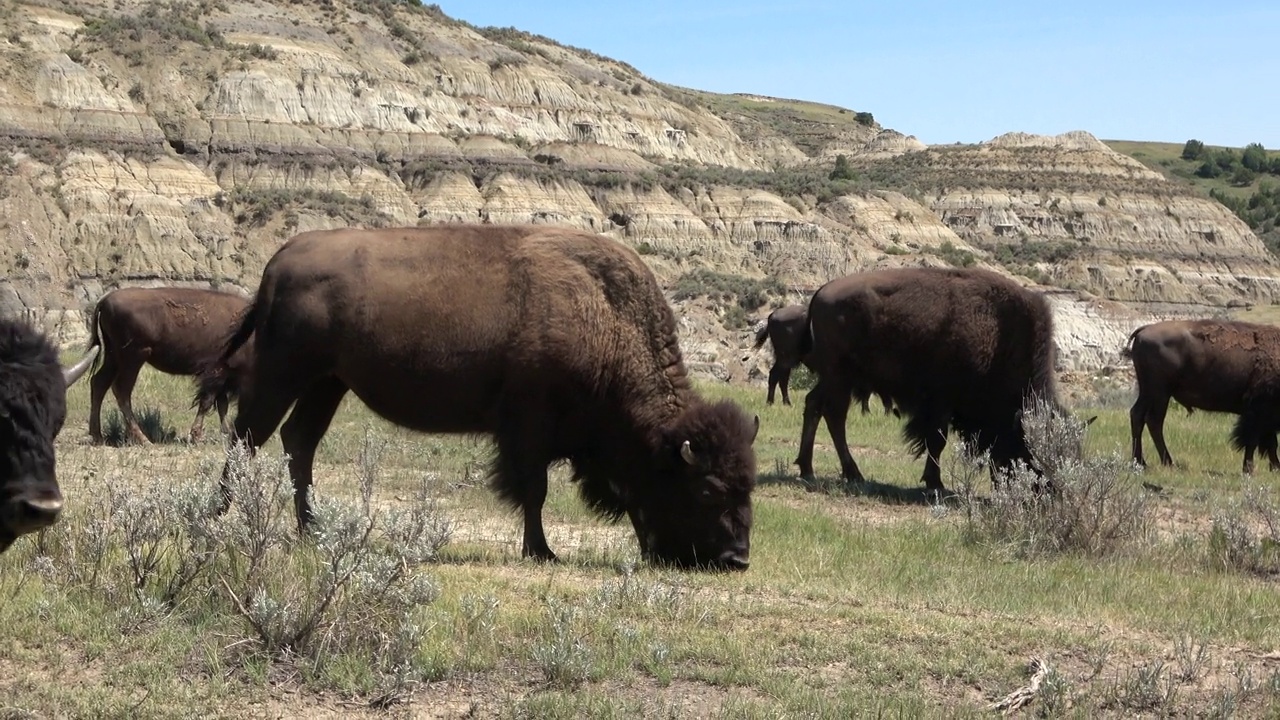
(557, 343)
(1212, 365)
(961, 349)
(33, 406)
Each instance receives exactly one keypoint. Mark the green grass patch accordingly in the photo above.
(859, 601)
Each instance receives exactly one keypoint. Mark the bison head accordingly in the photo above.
(699, 512)
(32, 410)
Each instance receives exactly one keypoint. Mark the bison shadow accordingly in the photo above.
(869, 488)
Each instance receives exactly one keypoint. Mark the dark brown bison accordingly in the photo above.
(178, 331)
(961, 349)
(1213, 365)
(33, 406)
(783, 329)
(556, 342)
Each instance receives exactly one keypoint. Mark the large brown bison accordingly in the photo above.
(178, 331)
(33, 406)
(556, 342)
(1215, 365)
(961, 349)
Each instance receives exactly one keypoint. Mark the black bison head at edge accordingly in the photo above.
(33, 407)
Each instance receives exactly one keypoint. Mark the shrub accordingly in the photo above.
(1088, 505)
(748, 293)
(953, 255)
(150, 420)
(842, 169)
(1245, 537)
(164, 553)
(1192, 150)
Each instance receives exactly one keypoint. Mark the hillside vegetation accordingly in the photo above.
(1246, 180)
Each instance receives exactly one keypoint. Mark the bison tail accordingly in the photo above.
(1127, 350)
(805, 344)
(215, 378)
(761, 336)
(95, 333)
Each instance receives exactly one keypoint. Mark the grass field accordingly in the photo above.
(861, 602)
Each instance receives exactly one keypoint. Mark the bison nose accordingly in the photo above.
(33, 513)
(732, 560)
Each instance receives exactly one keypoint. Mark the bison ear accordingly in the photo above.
(755, 430)
(686, 452)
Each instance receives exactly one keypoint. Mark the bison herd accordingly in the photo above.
(560, 345)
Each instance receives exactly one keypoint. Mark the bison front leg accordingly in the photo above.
(813, 402)
(520, 475)
(934, 443)
(197, 427)
(1269, 447)
(534, 485)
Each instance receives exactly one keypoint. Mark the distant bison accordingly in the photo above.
(1214, 365)
(177, 331)
(961, 349)
(783, 329)
(33, 406)
(556, 342)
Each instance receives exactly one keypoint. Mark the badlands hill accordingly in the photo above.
(180, 143)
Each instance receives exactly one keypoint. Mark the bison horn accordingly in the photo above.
(686, 452)
(73, 373)
(755, 431)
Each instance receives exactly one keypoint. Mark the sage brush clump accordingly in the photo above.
(1245, 536)
(349, 590)
(1088, 504)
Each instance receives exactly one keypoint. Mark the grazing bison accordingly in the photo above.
(33, 406)
(1213, 365)
(784, 329)
(178, 331)
(556, 342)
(960, 349)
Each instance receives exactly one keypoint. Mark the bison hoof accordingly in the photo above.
(540, 555)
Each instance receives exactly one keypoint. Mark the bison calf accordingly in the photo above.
(33, 406)
(177, 331)
(556, 342)
(1214, 365)
(961, 349)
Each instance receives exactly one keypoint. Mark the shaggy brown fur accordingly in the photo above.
(556, 342)
(952, 348)
(33, 407)
(176, 330)
(1213, 365)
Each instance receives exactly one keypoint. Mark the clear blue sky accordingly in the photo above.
(953, 71)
